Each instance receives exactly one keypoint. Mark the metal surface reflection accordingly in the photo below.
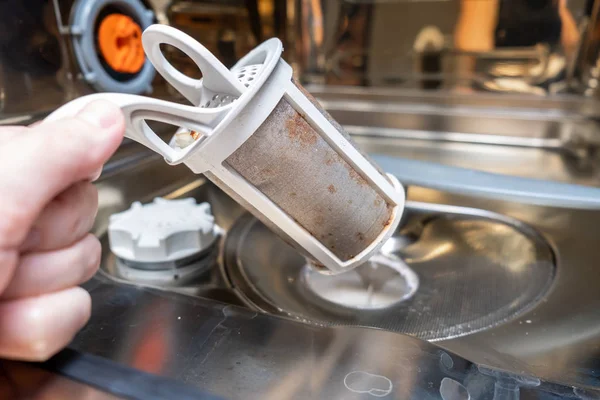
(21, 381)
(555, 339)
(239, 354)
(475, 270)
(531, 47)
(32, 59)
(534, 47)
(545, 29)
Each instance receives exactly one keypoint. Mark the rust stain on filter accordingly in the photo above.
(294, 166)
(336, 125)
(336, 159)
(299, 130)
(389, 221)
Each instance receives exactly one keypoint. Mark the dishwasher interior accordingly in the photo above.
(483, 278)
(479, 283)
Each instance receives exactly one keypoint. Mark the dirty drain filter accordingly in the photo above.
(469, 273)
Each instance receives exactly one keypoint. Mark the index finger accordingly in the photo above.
(43, 162)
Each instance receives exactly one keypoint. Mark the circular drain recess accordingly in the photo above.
(381, 282)
(459, 275)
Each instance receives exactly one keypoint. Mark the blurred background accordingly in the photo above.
(52, 50)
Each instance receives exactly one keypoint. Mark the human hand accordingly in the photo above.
(47, 208)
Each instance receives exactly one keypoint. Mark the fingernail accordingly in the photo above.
(32, 240)
(100, 113)
(96, 175)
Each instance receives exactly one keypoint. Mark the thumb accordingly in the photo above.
(48, 158)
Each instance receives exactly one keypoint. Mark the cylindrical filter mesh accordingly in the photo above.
(294, 166)
(269, 144)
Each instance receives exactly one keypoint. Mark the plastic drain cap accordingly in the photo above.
(164, 230)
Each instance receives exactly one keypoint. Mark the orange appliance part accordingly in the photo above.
(120, 40)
